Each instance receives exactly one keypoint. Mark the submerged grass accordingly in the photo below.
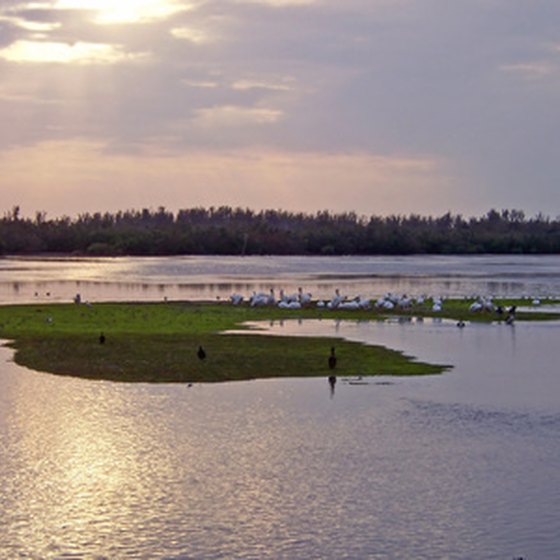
(157, 342)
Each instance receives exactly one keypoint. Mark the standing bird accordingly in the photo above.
(101, 338)
(332, 359)
(201, 353)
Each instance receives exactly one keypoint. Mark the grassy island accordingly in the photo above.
(158, 342)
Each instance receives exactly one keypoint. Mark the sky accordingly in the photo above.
(379, 107)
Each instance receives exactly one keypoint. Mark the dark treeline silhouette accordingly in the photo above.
(238, 231)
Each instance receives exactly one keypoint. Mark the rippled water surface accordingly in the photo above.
(462, 465)
(207, 278)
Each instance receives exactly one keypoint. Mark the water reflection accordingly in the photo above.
(211, 278)
(461, 465)
(84, 463)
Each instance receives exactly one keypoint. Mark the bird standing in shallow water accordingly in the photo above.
(201, 353)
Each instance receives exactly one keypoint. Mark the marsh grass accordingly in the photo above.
(157, 342)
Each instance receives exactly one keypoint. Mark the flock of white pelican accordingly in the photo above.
(388, 302)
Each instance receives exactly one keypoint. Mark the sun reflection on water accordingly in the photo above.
(84, 466)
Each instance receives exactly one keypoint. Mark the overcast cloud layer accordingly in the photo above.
(375, 106)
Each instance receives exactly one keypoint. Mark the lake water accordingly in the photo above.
(462, 465)
(25, 280)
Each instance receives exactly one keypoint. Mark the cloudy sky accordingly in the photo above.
(374, 106)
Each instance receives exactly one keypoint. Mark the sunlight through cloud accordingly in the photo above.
(125, 11)
(28, 25)
(64, 53)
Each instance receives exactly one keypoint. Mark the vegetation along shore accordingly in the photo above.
(241, 231)
(161, 342)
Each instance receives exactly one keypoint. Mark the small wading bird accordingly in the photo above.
(101, 338)
(201, 353)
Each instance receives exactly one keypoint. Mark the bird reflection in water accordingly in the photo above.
(332, 383)
(332, 366)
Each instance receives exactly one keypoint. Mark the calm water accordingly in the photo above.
(462, 465)
(209, 278)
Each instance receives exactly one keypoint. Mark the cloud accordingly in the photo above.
(229, 115)
(248, 84)
(471, 83)
(63, 53)
(279, 3)
(30, 25)
(124, 11)
(84, 176)
(530, 70)
(197, 36)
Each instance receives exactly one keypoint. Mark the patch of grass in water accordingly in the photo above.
(173, 358)
(157, 342)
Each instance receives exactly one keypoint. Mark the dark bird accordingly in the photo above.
(332, 359)
(101, 338)
(201, 353)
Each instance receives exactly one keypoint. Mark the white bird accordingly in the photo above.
(353, 304)
(303, 298)
(364, 303)
(336, 300)
(271, 300)
(258, 299)
(288, 297)
(475, 306)
(405, 302)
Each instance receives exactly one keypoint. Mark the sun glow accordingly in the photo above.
(64, 53)
(124, 11)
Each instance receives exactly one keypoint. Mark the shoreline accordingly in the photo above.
(157, 342)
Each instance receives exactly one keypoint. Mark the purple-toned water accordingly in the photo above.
(210, 278)
(461, 465)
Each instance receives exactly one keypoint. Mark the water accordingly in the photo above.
(460, 466)
(25, 280)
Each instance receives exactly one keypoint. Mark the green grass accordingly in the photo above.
(157, 342)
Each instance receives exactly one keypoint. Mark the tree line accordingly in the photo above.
(241, 231)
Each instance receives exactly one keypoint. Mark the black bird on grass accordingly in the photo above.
(101, 338)
(201, 353)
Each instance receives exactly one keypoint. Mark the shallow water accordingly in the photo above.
(24, 280)
(461, 465)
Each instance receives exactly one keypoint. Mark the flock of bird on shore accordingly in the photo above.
(386, 302)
